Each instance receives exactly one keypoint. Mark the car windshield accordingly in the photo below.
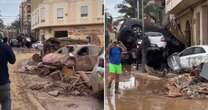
(153, 34)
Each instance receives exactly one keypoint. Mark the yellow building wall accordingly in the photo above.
(77, 26)
(76, 32)
(71, 12)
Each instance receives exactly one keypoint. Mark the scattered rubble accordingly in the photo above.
(36, 57)
(54, 93)
(64, 80)
(189, 85)
(37, 87)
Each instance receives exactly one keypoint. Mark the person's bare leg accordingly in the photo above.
(117, 84)
(112, 77)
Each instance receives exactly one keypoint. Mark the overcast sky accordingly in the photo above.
(111, 7)
(9, 9)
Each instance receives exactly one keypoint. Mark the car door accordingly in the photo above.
(95, 51)
(185, 57)
(82, 59)
(199, 56)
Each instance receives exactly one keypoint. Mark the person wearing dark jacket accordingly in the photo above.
(6, 56)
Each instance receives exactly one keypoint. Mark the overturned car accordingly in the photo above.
(159, 43)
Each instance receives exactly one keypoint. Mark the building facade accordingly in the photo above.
(191, 18)
(75, 19)
(25, 16)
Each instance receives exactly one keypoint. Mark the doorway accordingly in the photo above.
(188, 33)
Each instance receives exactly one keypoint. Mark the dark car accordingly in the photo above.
(130, 33)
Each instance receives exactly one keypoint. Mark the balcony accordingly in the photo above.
(176, 6)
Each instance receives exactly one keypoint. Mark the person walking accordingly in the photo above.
(115, 67)
(6, 56)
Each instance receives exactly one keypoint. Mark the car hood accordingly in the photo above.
(54, 58)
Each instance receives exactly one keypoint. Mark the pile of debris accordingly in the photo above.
(64, 80)
(190, 85)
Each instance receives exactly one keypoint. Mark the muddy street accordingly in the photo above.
(20, 97)
(149, 94)
(24, 98)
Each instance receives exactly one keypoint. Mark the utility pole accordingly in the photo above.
(143, 39)
(143, 47)
(138, 10)
(138, 18)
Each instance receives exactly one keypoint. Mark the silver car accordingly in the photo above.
(188, 58)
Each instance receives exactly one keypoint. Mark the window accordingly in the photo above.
(103, 9)
(60, 13)
(198, 25)
(101, 62)
(199, 50)
(60, 51)
(38, 21)
(63, 50)
(84, 11)
(83, 51)
(153, 34)
(186, 52)
(193, 50)
(29, 9)
(42, 15)
(36, 18)
(70, 49)
(60, 34)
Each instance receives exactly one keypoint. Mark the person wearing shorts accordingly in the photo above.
(115, 67)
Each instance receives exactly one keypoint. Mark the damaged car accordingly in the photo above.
(80, 57)
(130, 34)
(97, 76)
(188, 58)
(156, 39)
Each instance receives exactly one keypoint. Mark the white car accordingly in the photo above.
(99, 67)
(189, 57)
(156, 39)
(38, 45)
(97, 76)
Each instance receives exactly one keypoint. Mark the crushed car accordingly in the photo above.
(80, 57)
(130, 34)
(188, 58)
